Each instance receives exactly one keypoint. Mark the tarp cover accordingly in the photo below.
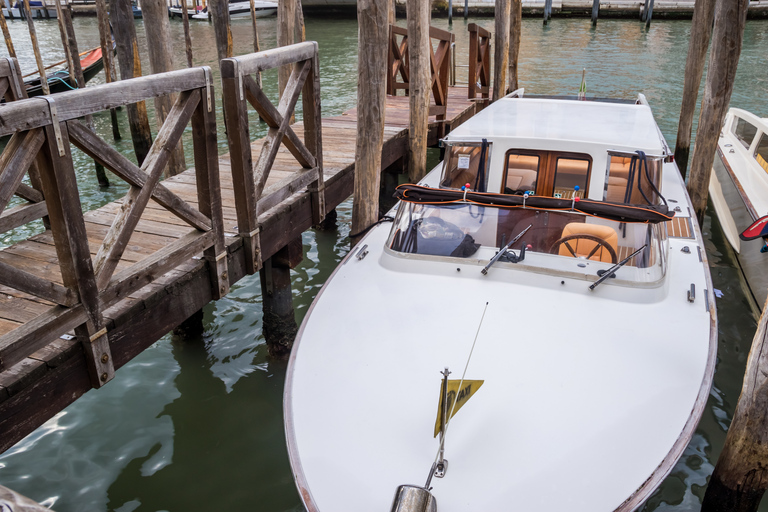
(613, 211)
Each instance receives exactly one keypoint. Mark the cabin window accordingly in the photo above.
(522, 173)
(466, 163)
(762, 152)
(569, 174)
(628, 180)
(745, 132)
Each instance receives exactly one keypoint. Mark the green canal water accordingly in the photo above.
(197, 424)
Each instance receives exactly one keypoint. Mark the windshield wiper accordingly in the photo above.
(610, 272)
(504, 249)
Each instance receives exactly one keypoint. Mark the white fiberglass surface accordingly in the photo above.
(583, 397)
(610, 125)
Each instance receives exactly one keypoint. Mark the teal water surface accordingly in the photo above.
(197, 424)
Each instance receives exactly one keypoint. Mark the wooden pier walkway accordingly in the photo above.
(83, 298)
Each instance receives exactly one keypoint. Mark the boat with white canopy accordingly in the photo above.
(548, 280)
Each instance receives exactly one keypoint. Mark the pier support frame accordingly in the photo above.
(280, 326)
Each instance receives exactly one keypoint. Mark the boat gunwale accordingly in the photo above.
(737, 183)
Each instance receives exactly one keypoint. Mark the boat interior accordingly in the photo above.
(752, 133)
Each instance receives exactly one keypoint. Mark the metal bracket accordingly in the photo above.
(239, 76)
(95, 336)
(56, 126)
(14, 77)
(221, 256)
(208, 82)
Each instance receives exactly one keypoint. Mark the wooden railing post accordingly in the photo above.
(209, 185)
(313, 135)
(479, 63)
(68, 227)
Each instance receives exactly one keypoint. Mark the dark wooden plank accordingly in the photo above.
(29, 283)
(22, 214)
(15, 160)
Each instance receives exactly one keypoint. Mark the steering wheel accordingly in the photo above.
(598, 241)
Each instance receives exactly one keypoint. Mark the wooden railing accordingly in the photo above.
(250, 179)
(43, 130)
(479, 63)
(397, 66)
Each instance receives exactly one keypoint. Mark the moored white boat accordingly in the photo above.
(738, 187)
(590, 391)
(262, 9)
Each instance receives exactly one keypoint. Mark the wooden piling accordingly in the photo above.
(256, 47)
(301, 30)
(121, 16)
(450, 12)
(65, 16)
(515, 31)
(158, 30)
(219, 11)
(730, 18)
(419, 51)
(35, 47)
(740, 477)
(701, 30)
(501, 51)
(649, 14)
(373, 35)
(286, 26)
(65, 45)
(7, 36)
(187, 37)
(279, 326)
(192, 327)
(105, 40)
(595, 11)
(466, 9)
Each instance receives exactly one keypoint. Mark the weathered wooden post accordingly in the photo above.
(301, 30)
(286, 27)
(419, 80)
(466, 9)
(130, 67)
(219, 10)
(547, 10)
(595, 11)
(515, 31)
(730, 18)
(158, 30)
(450, 12)
(740, 477)
(105, 40)
(35, 47)
(7, 35)
(701, 30)
(187, 37)
(255, 35)
(649, 14)
(65, 45)
(372, 39)
(501, 52)
(65, 17)
(279, 317)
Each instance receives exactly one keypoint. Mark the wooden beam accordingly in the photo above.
(17, 157)
(187, 37)
(39, 287)
(276, 57)
(701, 30)
(730, 18)
(740, 477)
(219, 11)
(158, 31)
(515, 31)
(137, 198)
(373, 33)
(22, 214)
(35, 46)
(7, 36)
(105, 40)
(130, 66)
(501, 45)
(419, 52)
(313, 135)
(88, 142)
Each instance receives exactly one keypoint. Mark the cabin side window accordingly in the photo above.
(744, 131)
(466, 163)
(571, 173)
(522, 173)
(762, 152)
(631, 179)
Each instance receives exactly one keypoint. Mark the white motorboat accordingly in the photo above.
(262, 8)
(559, 279)
(738, 187)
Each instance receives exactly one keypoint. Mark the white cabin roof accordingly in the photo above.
(612, 125)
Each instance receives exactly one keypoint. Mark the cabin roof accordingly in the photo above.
(614, 125)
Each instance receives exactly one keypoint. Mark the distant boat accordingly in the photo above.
(263, 9)
(176, 12)
(91, 62)
(36, 6)
(738, 187)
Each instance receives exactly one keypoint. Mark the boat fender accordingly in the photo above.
(411, 498)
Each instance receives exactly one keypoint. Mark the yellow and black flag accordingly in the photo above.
(468, 388)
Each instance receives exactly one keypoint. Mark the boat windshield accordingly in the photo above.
(557, 242)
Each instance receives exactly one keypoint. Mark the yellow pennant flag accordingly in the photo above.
(468, 388)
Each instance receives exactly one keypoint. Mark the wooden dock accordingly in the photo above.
(83, 298)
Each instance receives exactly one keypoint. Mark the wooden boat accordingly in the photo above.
(551, 259)
(262, 8)
(59, 81)
(738, 187)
